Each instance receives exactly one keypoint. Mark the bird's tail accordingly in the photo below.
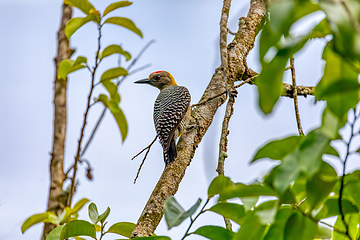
(170, 154)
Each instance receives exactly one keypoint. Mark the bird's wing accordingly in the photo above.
(169, 109)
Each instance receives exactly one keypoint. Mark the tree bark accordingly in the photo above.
(202, 116)
(57, 198)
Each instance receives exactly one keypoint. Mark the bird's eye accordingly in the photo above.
(157, 77)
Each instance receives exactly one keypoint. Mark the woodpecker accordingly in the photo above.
(171, 111)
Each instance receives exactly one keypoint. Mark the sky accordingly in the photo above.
(186, 44)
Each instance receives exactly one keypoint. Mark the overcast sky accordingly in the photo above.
(186, 34)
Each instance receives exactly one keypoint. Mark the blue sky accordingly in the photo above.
(186, 34)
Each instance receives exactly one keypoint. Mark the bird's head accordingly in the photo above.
(159, 79)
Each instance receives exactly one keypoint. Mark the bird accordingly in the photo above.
(171, 111)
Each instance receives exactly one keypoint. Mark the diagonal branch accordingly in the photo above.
(202, 115)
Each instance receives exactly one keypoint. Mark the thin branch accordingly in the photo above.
(222, 93)
(202, 116)
(296, 106)
(136, 59)
(102, 115)
(318, 221)
(341, 191)
(232, 94)
(352, 18)
(143, 161)
(193, 220)
(78, 153)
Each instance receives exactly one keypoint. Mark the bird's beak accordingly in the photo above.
(146, 80)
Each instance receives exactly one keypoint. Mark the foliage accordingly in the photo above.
(299, 194)
(110, 101)
(68, 66)
(76, 228)
(68, 214)
(294, 200)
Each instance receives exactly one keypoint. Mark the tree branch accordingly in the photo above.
(202, 115)
(88, 105)
(56, 202)
(296, 106)
(231, 92)
(102, 115)
(342, 186)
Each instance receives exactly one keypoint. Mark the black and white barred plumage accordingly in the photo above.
(170, 116)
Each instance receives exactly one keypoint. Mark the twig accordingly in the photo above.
(353, 20)
(193, 220)
(172, 175)
(222, 93)
(341, 191)
(78, 153)
(297, 114)
(143, 161)
(229, 84)
(136, 59)
(102, 115)
(229, 31)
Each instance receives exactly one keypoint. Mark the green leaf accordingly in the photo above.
(112, 49)
(93, 213)
(84, 5)
(55, 233)
(269, 83)
(321, 30)
(345, 36)
(233, 211)
(113, 73)
(175, 214)
(104, 215)
(121, 122)
(80, 204)
(299, 227)
(241, 190)
(331, 124)
(75, 23)
(352, 186)
(324, 233)
(331, 208)
(112, 88)
(116, 5)
(287, 172)
(65, 215)
(331, 151)
(67, 66)
(352, 221)
(117, 114)
(278, 149)
(122, 228)
(126, 23)
(276, 230)
(337, 72)
(251, 229)
(218, 185)
(320, 185)
(266, 211)
(214, 232)
(249, 202)
(46, 217)
(78, 228)
(311, 150)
